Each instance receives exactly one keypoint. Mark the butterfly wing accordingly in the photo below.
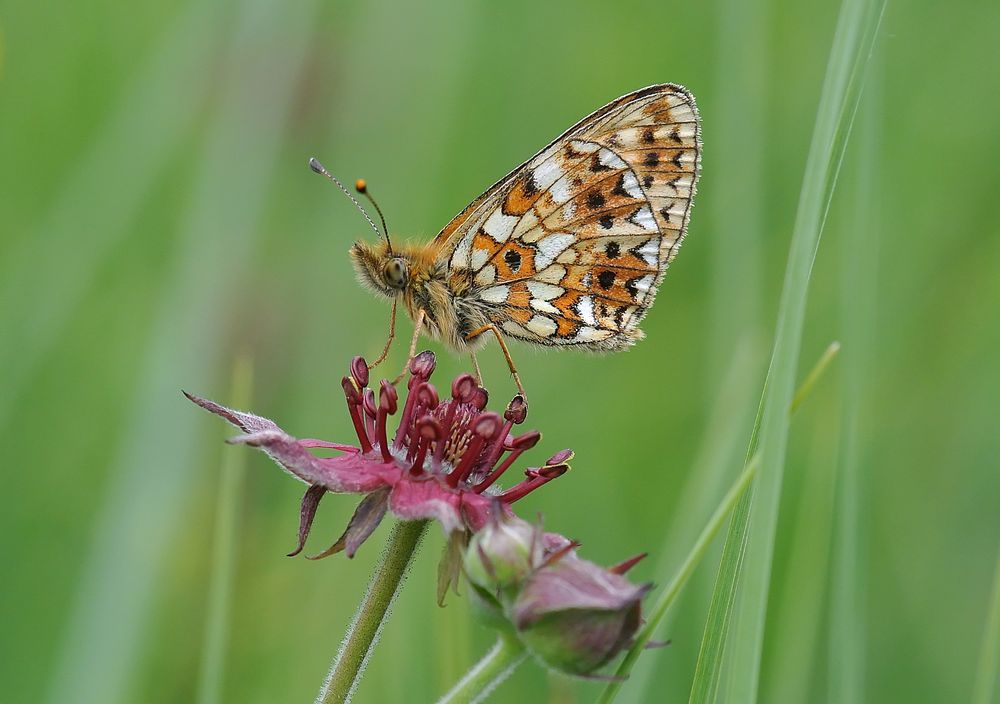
(570, 247)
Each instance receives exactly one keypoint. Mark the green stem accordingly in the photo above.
(489, 672)
(347, 668)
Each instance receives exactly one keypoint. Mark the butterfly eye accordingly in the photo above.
(396, 273)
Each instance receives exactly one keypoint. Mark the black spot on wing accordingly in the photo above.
(530, 186)
(619, 189)
(606, 279)
(513, 259)
(595, 200)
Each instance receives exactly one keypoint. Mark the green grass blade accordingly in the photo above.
(224, 546)
(848, 637)
(708, 670)
(989, 652)
(705, 685)
(855, 34)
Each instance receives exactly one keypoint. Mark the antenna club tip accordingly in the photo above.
(315, 165)
(361, 185)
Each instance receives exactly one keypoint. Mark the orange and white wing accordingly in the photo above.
(571, 246)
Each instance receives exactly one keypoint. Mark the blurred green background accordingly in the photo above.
(159, 220)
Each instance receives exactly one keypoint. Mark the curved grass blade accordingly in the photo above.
(858, 275)
(856, 31)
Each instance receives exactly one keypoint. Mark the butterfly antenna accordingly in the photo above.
(363, 188)
(321, 170)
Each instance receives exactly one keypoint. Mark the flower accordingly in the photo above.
(442, 463)
(573, 615)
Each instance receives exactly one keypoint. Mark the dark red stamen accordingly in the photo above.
(485, 428)
(359, 370)
(422, 365)
(463, 389)
(536, 478)
(353, 395)
(386, 406)
(371, 411)
(518, 446)
(560, 457)
(480, 398)
(517, 410)
(428, 431)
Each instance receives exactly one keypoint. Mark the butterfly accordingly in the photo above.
(567, 250)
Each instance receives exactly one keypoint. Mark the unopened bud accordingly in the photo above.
(575, 616)
(502, 554)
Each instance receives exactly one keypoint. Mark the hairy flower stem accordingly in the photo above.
(489, 672)
(347, 668)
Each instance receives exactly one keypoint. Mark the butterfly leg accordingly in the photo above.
(506, 353)
(388, 343)
(475, 366)
(418, 325)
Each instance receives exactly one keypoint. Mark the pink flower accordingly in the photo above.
(442, 463)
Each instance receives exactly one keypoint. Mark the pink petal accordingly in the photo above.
(351, 473)
(426, 497)
(247, 422)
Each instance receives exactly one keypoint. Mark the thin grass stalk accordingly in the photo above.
(708, 668)
(856, 31)
(211, 670)
(798, 632)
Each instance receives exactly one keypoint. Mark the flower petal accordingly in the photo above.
(348, 473)
(573, 583)
(307, 512)
(413, 499)
(365, 520)
(247, 422)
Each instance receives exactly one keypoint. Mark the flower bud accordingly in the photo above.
(502, 554)
(575, 616)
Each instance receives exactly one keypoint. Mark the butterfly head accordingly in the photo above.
(380, 268)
